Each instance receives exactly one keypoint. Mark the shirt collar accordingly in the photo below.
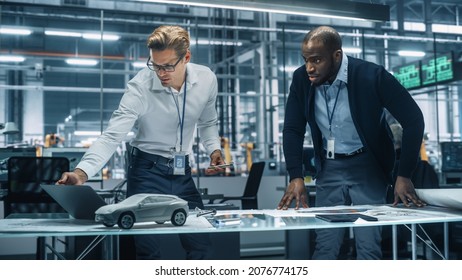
(342, 74)
(191, 77)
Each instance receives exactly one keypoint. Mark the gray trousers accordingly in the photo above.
(355, 180)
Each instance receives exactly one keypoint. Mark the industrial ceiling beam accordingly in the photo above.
(326, 8)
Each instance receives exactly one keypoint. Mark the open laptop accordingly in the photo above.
(80, 202)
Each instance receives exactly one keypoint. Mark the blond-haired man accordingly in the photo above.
(166, 101)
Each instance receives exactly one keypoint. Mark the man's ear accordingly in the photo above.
(187, 56)
(338, 54)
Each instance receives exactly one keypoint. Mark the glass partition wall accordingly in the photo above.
(64, 68)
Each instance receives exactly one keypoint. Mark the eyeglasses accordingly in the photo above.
(167, 68)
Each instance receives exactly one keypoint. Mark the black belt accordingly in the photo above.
(156, 159)
(358, 151)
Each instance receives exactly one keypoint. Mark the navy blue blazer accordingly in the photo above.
(371, 88)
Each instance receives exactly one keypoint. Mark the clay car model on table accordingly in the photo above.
(144, 207)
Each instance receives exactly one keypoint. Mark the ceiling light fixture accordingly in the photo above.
(11, 58)
(15, 31)
(216, 42)
(139, 64)
(97, 36)
(411, 53)
(81, 61)
(327, 8)
(62, 33)
(352, 50)
(289, 69)
(445, 28)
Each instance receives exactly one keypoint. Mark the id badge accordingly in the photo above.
(179, 164)
(330, 148)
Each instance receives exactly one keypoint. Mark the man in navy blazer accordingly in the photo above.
(343, 99)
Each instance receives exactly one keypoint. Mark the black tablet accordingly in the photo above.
(336, 218)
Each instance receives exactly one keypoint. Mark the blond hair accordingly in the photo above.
(169, 37)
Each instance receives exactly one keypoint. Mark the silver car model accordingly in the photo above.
(144, 207)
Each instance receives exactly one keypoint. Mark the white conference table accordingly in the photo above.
(247, 220)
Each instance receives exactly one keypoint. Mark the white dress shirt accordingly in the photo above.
(152, 110)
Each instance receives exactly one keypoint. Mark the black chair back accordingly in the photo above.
(425, 176)
(252, 185)
(25, 174)
(249, 199)
(253, 181)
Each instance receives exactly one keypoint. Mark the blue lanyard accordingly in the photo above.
(330, 116)
(181, 119)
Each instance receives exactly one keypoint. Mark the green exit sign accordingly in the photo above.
(439, 69)
(408, 75)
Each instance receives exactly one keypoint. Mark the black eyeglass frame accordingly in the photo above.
(167, 68)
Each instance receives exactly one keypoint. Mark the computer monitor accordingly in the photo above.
(451, 162)
(451, 156)
(74, 154)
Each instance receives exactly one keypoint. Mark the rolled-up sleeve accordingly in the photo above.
(208, 120)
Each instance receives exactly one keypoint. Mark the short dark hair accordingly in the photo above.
(327, 35)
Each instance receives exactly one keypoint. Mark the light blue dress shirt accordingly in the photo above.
(342, 127)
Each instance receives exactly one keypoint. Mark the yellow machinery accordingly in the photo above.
(249, 146)
(226, 149)
(52, 140)
(227, 153)
(423, 152)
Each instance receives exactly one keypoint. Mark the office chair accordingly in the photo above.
(25, 174)
(24, 194)
(425, 176)
(249, 198)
